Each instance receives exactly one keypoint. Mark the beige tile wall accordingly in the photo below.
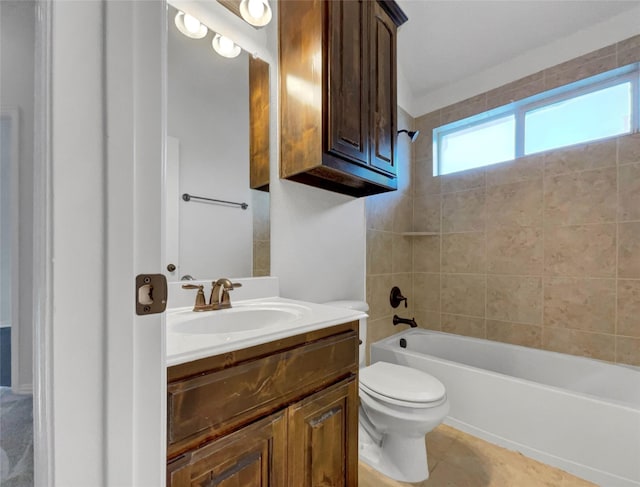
(389, 252)
(543, 251)
(261, 233)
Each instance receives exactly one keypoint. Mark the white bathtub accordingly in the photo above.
(577, 414)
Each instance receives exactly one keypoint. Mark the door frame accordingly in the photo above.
(42, 285)
(128, 407)
(12, 114)
(136, 55)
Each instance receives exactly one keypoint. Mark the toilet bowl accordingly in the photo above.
(398, 407)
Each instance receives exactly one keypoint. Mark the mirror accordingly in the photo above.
(210, 145)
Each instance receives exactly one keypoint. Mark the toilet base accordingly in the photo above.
(400, 458)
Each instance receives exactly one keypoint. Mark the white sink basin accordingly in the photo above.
(192, 336)
(241, 318)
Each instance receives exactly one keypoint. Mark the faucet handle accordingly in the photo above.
(192, 286)
(225, 301)
(396, 297)
(201, 303)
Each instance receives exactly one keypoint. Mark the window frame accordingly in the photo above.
(520, 108)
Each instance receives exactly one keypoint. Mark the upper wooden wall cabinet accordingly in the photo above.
(338, 94)
(258, 124)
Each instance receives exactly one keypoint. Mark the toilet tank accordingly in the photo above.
(358, 306)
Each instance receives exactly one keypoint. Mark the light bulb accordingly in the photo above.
(256, 12)
(225, 46)
(255, 8)
(191, 24)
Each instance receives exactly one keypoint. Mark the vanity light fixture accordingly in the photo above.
(225, 46)
(190, 26)
(256, 12)
(413, 134)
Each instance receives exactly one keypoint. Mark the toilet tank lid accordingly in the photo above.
(402, 383)
(349, 304)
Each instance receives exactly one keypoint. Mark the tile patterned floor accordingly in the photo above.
(457, 459)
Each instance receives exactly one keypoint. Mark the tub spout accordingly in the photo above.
(405, 321)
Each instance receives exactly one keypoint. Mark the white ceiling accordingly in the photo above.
(446, 41)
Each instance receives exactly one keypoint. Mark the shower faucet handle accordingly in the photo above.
(396, 297)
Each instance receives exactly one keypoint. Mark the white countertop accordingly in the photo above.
(185, 347)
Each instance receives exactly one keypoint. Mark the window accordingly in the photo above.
(602, 106)
(479, 145)
(596, 115)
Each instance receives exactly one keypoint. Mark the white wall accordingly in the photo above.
(317, 243)
(582, 42)
(208, 111)
(404, 93)
(17, 38)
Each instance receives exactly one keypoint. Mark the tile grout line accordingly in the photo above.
(534, 276)
(414, 172)
(441, 203)
(441, 200)
(486, 274)
(615, 292)
(544, 256)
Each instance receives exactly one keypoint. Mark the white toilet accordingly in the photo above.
(398, 407)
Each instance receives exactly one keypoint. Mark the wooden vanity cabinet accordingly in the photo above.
(338, 92)
(280, 414)
(253, 456)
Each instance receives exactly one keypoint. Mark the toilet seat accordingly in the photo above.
(401, 386)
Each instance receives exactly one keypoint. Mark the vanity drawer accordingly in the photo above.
(209, 405)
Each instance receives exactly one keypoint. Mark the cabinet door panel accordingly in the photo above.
(323, 438)
(254, 456)
(383, 90)
(249, 390)
(347, 98)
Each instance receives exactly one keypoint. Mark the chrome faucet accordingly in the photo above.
(219, 298)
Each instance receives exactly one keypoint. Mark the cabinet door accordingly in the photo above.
(383, 90)
(347, 99)
(254, 456)
(323, 438)
(258, 124)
